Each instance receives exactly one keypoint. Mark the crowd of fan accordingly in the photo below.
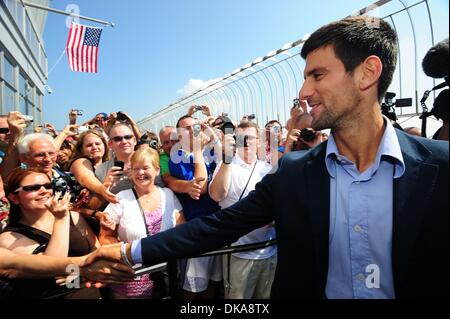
(104, 181)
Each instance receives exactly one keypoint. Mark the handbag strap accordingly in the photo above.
(141, 209)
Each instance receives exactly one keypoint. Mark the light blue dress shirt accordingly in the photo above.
(361, 217)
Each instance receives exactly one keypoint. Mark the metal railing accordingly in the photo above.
(163, 266)
(267, 86)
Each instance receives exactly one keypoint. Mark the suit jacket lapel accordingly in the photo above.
(318, 190)
(411, 194)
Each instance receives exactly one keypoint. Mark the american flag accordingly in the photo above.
(82, 48)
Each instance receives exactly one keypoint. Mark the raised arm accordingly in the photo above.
(84, 173)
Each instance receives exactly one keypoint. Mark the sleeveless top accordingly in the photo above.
(142, 287)
(79, 245)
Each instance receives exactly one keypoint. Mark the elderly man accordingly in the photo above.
(168, 137)
(38, 151)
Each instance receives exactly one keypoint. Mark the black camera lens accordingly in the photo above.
(228, 128)
(197, 128)
(154, 144)
(121, 116)
(308, 135)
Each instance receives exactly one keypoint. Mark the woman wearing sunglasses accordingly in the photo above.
(40, 223)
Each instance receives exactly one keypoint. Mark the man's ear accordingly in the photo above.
(370, 74)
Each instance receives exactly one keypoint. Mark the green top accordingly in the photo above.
(164, 163)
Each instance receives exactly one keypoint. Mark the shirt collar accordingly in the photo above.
(389, 147)
(239, 161)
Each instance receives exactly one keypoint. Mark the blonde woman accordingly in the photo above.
(142, 211)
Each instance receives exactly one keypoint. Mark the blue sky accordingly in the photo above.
(158, 46)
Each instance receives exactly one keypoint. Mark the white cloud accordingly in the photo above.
(194, 85)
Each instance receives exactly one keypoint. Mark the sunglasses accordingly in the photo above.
(34, 188)
(118, 139)
(4, 130)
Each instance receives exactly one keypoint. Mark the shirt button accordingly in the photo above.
(361, 277)
(357, 228)
(357, 182)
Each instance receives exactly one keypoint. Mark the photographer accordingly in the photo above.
(301, 137)
(16, 123)
(122, 117)
(40, 223)
(191, 168)
(440, 110)
(247, 275)
(101, 119)
(274, 134)
(199, 108)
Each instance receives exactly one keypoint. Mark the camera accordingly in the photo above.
(227, 126)
(66, 182)
(197, 128)
(121, 116)
(28, 118)
(276, 129)
(153, 144)
(83, 129)
(296, 103)
(199, 107)
(388, 107)
(251, 117)
(307, 135)
(120, 164)
(241, 141)
(78, 112)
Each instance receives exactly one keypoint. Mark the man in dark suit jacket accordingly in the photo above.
(398, 194)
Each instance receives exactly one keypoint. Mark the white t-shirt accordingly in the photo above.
(128, 216)
(240, 174)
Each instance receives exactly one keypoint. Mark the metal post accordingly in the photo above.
(37, 6)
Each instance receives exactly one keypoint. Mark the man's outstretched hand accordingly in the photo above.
(105, 266)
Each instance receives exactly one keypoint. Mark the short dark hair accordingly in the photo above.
(245, 124)
(273, 122)
(356, 38)
(183, 118)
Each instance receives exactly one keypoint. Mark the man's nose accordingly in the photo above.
(306, 91)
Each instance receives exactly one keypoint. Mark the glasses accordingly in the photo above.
(118, 139)
(44, 155)
(4, 130)
(34, 188)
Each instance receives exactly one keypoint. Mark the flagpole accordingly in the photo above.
(37, 6)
